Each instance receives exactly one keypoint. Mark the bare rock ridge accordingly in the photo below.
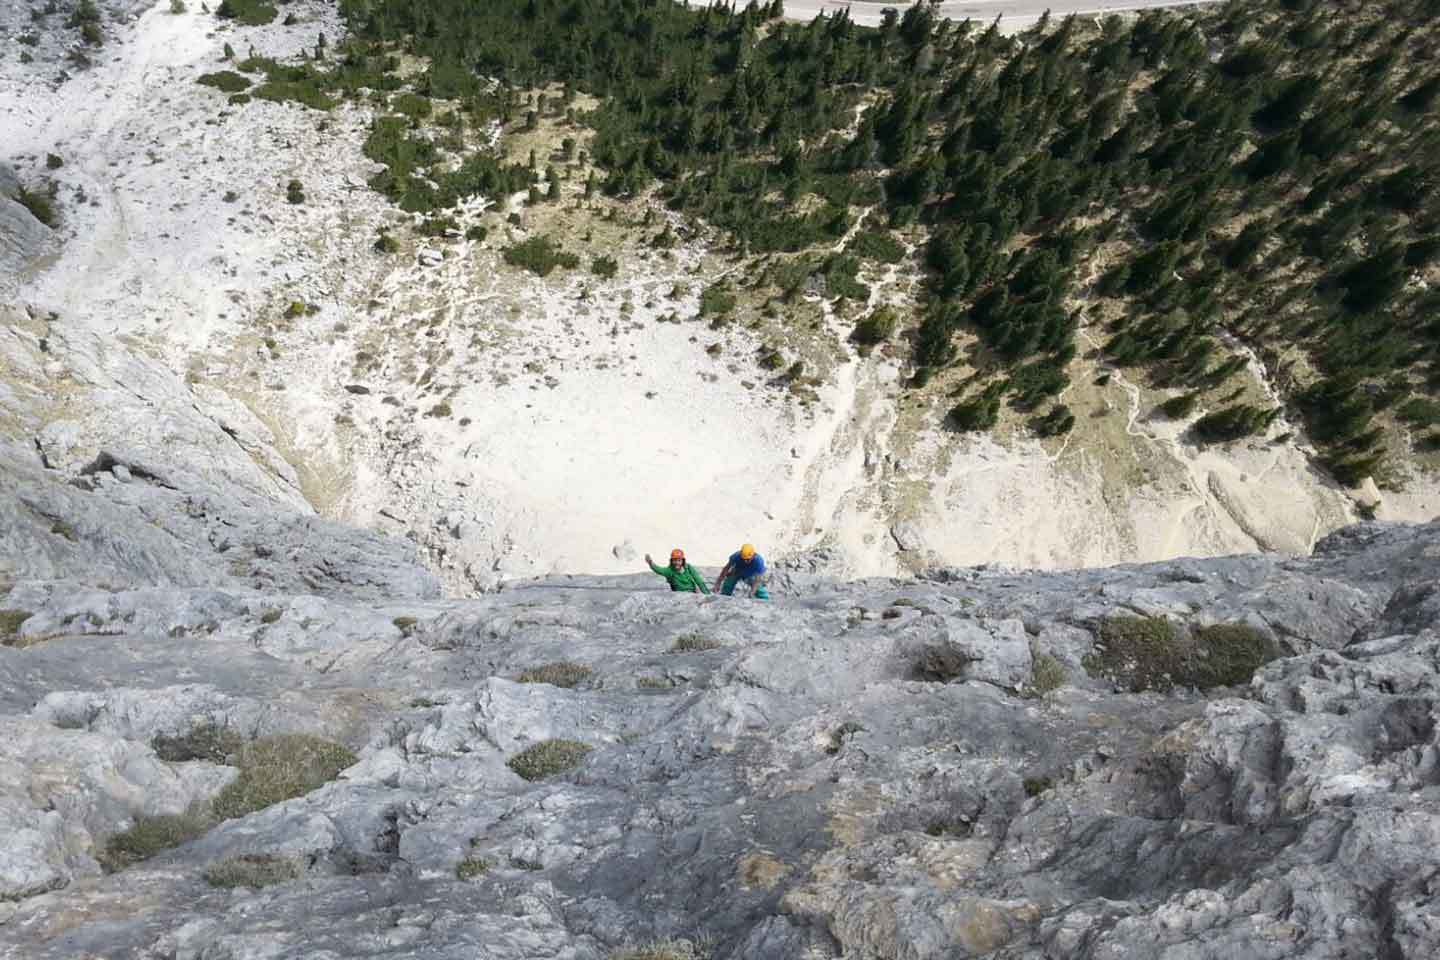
(231, 729)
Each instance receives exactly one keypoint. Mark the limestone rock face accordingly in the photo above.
(573, 765)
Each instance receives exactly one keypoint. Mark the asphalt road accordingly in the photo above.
(1016, 14)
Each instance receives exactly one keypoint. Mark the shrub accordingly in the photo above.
(976, 414)
(10, 621)
(278, 768)
(411, 105)
(1227, 654)
(1233, 423)
(471, 867)
(1178, 408)
(1057, 422)
(690, 642)
(548, 758)
(562, 673)
(1421, 411)
(441, 409)
(149, 836)
(54, 161)
(384, 243)
(877, 245)
(206, 741)
(295, 192)
(540, 255)
(40, 205)
(717, 300)
(878, 327)
(227, 80)
(1046, 674)
(91, 33)
(254, 13)
(252, 870)
(177, 6)
(605, 267)
(1141, 653)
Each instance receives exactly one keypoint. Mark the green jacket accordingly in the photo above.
(685, 580)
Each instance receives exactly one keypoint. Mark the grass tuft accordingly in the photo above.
(547, 758)
(689, 642)
(562, 673)
(1146, 653)
(10, 623)
(149, 836)
(1046, 674)
(471, 867)
(252, 870)
(278, 768)
(663, 950)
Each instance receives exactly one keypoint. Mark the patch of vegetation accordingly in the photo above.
(1234, 423)
(40, 205)
(562, 673)
(548, 758)
(295, 192)
(978, 413)
(717, 300)
(53, 161)
(877, 327)
(1046, 674)
(539, 255)
(1141, 653)
(1034, 786)
(278, 768)
(405, 625)
(441, 409)
(10, 623)
(471, 867)
(411, 105)
(692, 642)
(207, 741)
(149, 836)
(1178, 408)
(668, 949)
(1227, 654)
(878, 245)
(1147, 653)
(1057, 422)
(227, 81)
(252, 13)
(605, 267)
(252, 870)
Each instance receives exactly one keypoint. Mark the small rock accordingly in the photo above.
(907, 536)
(121, 472)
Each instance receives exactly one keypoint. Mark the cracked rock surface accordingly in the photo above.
(857, 769)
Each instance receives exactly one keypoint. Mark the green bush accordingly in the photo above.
(1058, 422)
(548, 758)
(663, 950)
(1145, 653)
(1034, 786)
(977, 414)
(1046, 674)
(251, 870)
(278, 768)
(717, 300)
(1178, 408)
(227, 80)
(295, 192)
(605, 267)
(1421, 411)
(1233, 423)
(40, 205)
(411, 105)
(562, 673)
(206, 741)
(877, 327)
(540, 255)
(877, 245)
(149, 836)
(1227, 654)
(1140, 653)
(253, 13)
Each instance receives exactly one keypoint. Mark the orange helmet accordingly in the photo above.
(747, 552)
(677, 554)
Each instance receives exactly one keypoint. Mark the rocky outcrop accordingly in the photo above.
(877, 769)
(22, 237)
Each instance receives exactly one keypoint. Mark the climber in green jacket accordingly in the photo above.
(682, 577)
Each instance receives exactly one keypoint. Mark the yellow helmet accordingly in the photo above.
(747, 552)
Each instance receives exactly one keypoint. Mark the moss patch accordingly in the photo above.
(1227, 654)
(663, 950)
(562, 673)
(278, 768)
(148, 837)
(252, 870)
(547, 758)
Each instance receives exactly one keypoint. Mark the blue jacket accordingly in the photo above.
(745, 569)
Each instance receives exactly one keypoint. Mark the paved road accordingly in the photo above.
(1017, 14)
